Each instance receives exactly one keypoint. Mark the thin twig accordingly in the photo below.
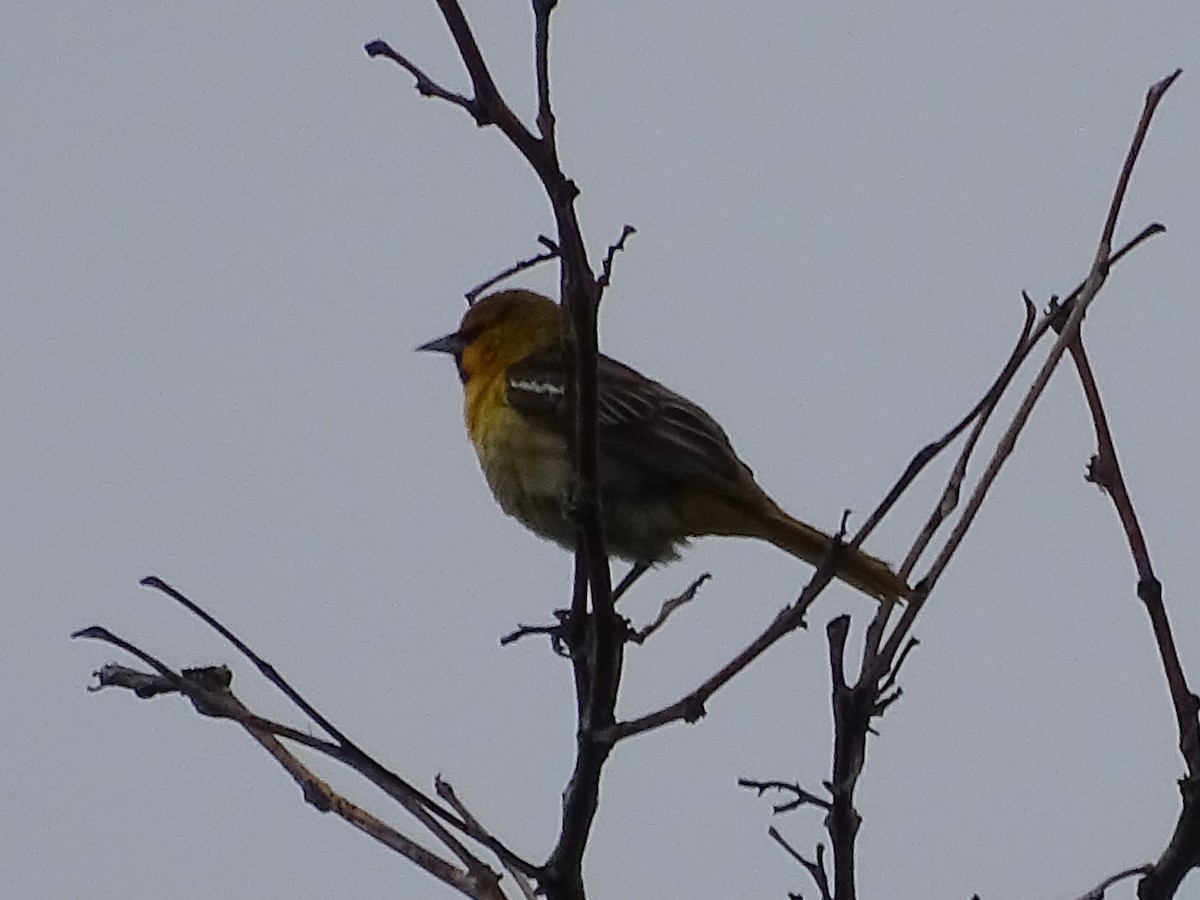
(555, 632)
(981, 414)
(1097, 893)
(1182, 853)
(802, 797)
(1105, 471)
(446, 791)
(606, 270)
(345, 751)
(200, 686)
(669, 606)
(211, 695)
(1021, 351)
(268, 671)
(425, 85)
(1153, 96)
(894, 672)
(1068, 331)
(814, 867)
(519, 266)
(691, 707)
(874, 691)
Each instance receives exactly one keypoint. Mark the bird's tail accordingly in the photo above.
(758, 516)
(860, 570)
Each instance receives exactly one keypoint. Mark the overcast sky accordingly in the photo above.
(224, 231)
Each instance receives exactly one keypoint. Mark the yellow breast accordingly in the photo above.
(526, 464)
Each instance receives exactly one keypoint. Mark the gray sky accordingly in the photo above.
(225, 230)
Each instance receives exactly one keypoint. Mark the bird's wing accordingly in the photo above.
(640, 422)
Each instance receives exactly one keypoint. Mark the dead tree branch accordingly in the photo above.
(1161, 879)
(595, 637)
(210, 692)
(857, 703)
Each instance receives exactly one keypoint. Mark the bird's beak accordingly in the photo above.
(452, 343)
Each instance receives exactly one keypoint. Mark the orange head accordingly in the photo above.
(499, 330)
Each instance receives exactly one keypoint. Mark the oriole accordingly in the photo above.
(667, 470)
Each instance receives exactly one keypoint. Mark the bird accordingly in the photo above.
(667, 471)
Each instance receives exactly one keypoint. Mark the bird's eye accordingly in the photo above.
(468, 333)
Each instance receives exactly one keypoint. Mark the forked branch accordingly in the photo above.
(595, 637)
(856, 703)
(210, 691)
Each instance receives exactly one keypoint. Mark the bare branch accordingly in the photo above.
(636, 571)
(209, 690)
(814, 867)
(541, 42)
(1153, 96)
(930, 451)
(691, 707)
(520, 266)
(981, 413)
(1105, 471)
(205, 688)
(425, 85)
(802, 797)
(1003, 451)
(555, 632)
(852, 708)
(669, 607)
(446, 791)
(267, 670)
(1182, 854)
(595, 639)
(143, 684)
(856, 705)
(606, 270)
(1097, 893)
(427, 810)
(894, 672)
(1026, 341)
(1068, 332)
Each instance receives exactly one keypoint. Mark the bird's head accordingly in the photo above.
(499, 330)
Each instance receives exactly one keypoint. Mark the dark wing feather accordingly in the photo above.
(640, 423)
